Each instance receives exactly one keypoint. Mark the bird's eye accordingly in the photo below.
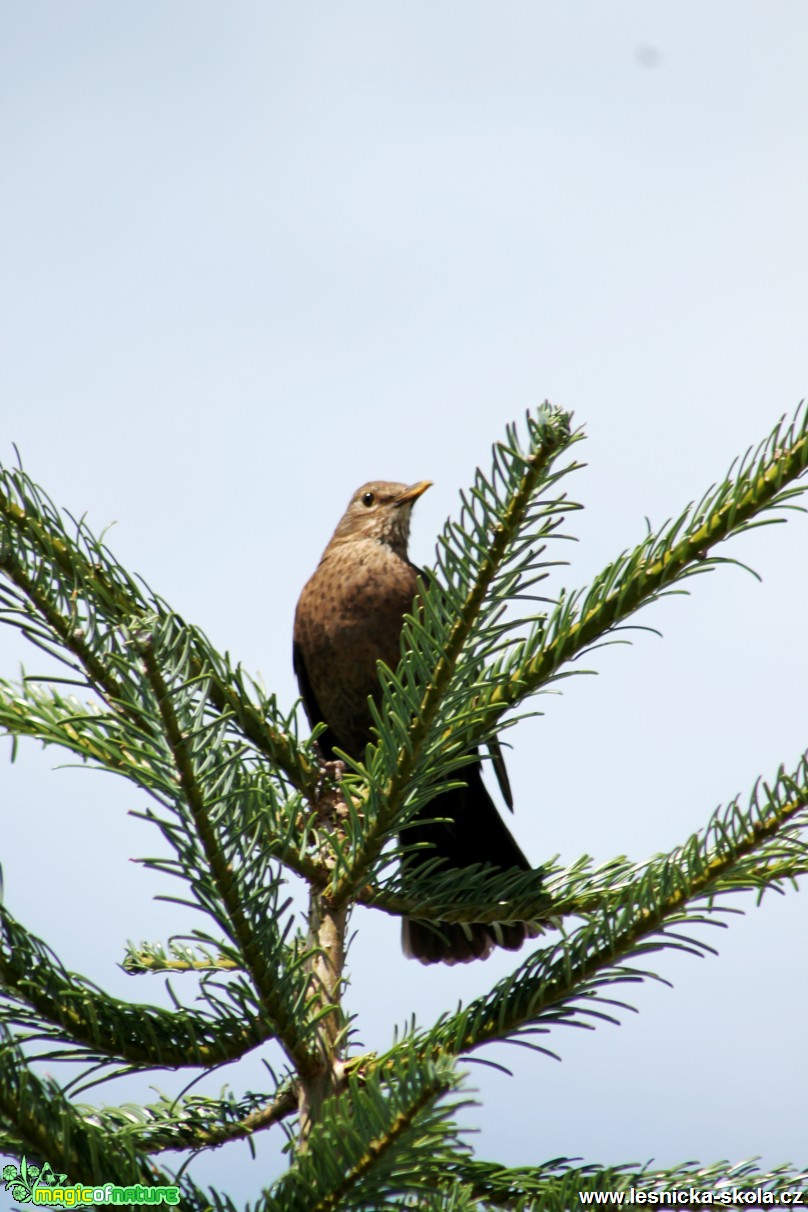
(368, 498)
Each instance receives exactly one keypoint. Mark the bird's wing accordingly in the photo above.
(494, 747)
(501, 771)
(326, 740)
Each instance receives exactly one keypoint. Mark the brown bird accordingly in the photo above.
(349, 616)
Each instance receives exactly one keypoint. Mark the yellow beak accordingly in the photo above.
(413, 492)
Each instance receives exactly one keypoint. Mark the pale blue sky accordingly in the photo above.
(252, 255)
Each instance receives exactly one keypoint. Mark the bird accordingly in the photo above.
(349, 617)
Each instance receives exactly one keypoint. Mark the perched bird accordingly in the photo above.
(349, 616)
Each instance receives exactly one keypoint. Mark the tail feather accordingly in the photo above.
(458, 943)
(472, 832)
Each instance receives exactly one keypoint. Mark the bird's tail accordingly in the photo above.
(470, 831)
(459, 943)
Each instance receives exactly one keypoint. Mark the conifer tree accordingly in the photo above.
(242, 798)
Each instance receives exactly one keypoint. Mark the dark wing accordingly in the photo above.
(498, 762)
(326, 740)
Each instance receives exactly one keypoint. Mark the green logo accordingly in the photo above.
(22, 1181)
(30, 1184)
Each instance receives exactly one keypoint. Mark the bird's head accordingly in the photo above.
(380, 510)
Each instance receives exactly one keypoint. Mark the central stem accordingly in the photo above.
(326, 944)
(327, 937)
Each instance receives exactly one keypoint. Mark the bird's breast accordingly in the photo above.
(349, 617)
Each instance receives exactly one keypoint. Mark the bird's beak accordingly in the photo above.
(413, 492)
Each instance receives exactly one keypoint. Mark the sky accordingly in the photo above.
(253, 255)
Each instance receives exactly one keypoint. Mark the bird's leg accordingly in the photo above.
(330, 776)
